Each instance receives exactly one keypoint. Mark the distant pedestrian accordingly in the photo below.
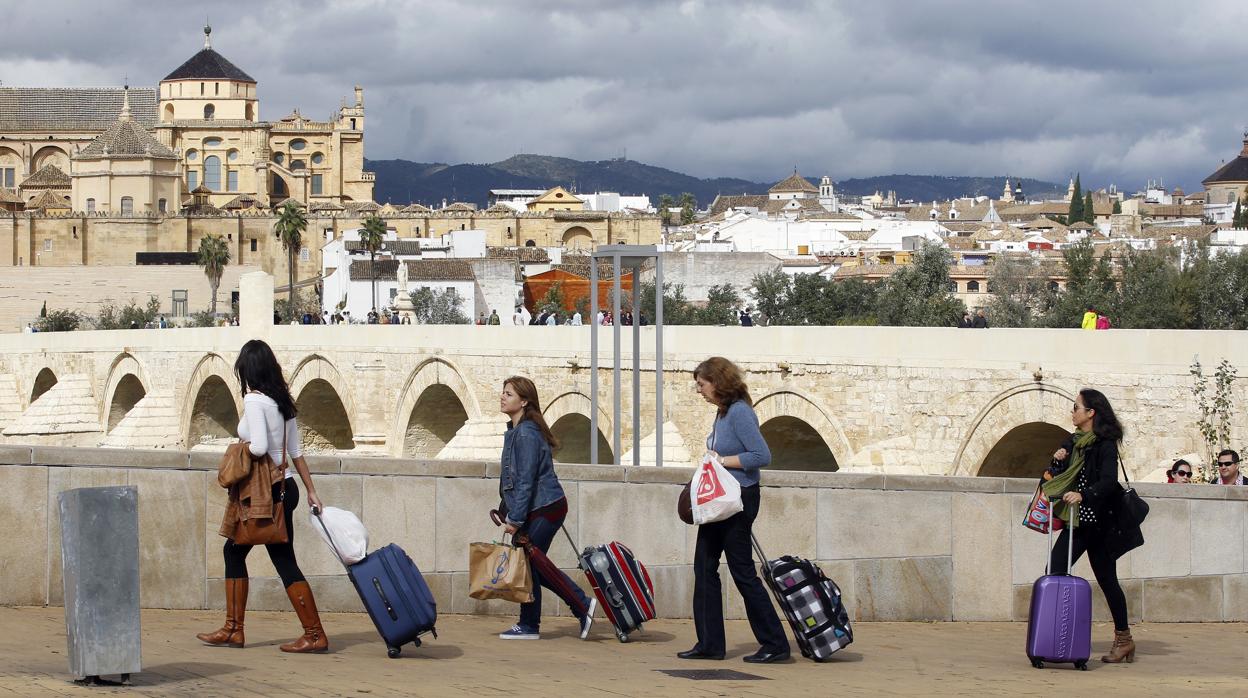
(642, 317)
(746, 319)
(1228, 469)
(598, 318)
(552, 319)
(1180, 473)
(481, 318)
(494, 319)
(28, 329)
(981, 320)
(576, 319)
(517, 318)
(965, 322)
(1089, 318)
(1102, 322)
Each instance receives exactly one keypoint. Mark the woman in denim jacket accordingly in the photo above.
(533, 504)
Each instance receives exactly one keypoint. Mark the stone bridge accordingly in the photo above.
(898, 400)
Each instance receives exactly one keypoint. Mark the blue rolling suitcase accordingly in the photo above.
(395, 596)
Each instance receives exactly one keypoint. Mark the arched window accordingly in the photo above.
(168, 112)
(317, 158)
(972, 287)
(90, 205)
(209, 112)
(298, 144)
(251, 112)
(127, 205)
(297, 164)
(163, 205)
(212, 172)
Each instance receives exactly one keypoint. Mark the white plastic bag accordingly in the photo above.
(714, 494)
(349, 537)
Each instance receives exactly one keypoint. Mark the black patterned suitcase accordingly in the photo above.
(811, 602)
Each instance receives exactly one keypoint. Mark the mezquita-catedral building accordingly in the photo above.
(144, 151)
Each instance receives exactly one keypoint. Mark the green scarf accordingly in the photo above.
(1065, 482)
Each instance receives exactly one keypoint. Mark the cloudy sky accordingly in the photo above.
(1122, 92)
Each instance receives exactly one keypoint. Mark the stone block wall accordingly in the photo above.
(902, 547)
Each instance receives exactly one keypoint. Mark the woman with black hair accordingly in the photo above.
(1085, 488)
(269, 426)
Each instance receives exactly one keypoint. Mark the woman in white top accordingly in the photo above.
(269, 426)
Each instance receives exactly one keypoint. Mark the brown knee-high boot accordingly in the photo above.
(1123, 649)
(231, 634)
(313, 638)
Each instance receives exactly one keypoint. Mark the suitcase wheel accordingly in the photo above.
(393, 652)
(1082, 666)
(621, 634)
(1035, 662)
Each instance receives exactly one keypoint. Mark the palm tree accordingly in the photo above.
(371, 237)
(289, 229)
(214, 255)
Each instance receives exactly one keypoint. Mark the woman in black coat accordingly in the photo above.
(1094, 488)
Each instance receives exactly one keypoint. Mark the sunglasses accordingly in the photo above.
(1182, 473)
(1226, 463)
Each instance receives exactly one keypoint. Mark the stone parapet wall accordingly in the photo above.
(902, 547)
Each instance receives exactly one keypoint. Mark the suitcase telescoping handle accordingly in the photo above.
(762, 557)
(1070, 540)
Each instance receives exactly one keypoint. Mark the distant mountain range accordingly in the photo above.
(403, 181)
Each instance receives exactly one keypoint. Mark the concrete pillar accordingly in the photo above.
(100, 555)
(255, 303)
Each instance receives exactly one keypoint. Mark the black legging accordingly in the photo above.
(1089, 538)
(282, 554)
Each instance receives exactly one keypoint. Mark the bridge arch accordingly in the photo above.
(127, 384)
(568, 417)
(1018, 429)
(327, 411)
(44, 380)
(434, 403)
(213, 403)
(800, 433)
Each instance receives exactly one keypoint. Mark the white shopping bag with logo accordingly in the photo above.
(714, 494)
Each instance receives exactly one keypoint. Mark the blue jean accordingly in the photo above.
(541, 533)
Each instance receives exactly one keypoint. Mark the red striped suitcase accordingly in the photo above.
(621, 583)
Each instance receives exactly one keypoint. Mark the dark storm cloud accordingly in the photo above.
(1119, 91)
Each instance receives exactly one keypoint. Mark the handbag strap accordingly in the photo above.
(1124, 469)
(281, 497)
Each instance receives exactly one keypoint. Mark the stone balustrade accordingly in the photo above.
(902, 547)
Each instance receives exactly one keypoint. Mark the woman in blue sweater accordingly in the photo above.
(737, 442)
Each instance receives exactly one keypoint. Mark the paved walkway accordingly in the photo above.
(888, 659)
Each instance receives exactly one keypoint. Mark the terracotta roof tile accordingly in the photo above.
(72, 109)
(417, 270)
(47, 177)
(794, 182)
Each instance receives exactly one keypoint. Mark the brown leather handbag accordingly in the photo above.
(264, 531)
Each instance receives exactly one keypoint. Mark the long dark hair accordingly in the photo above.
(527, 391)
(257, 369)
(727, 379)
(1105, 423)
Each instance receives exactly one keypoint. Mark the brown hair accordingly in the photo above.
(727, 380)
(527, 391)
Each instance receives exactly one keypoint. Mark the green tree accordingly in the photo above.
(1089, 209)
(305, 301)
(677, 310)
(722, 302)
(438, 307)
(112, 317)
(771, 291)
(666, 204)
(1019, 290)
(1149, 296)
(688, 208)
(1075, 213)
(58, 320)
(1237, 220)
(1089, 282)
(214, 255)
(553, 301)
(919, 294)
(290, 225)
(372, 234)
(1117, 206)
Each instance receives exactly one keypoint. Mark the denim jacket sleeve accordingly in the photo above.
(526, 458)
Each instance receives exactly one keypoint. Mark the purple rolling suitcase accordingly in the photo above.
(1059, 628)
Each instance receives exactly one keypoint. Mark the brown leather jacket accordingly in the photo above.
(252, 497)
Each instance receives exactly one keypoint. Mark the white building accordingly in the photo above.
(440, 264)
(612, 202)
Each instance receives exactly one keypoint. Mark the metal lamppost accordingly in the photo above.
(621, 257)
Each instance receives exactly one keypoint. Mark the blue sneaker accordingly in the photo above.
(588, 621)
(519, 632)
